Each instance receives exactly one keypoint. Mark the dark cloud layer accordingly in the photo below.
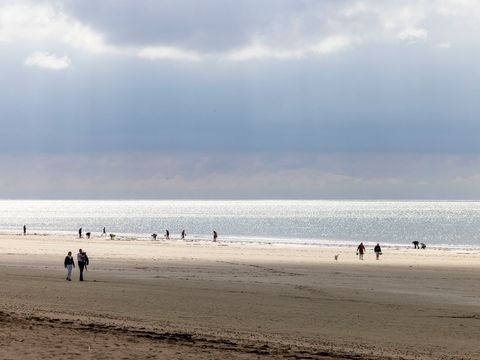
(354, 103)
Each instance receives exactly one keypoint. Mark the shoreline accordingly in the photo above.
(242, 240)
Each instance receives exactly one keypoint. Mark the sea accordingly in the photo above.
(449, 224)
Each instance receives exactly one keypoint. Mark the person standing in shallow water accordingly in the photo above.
(183, 234)
(360, 251)
(378, 251)
(80, 233)
(24, 229)
(215, 235)
(69, 265)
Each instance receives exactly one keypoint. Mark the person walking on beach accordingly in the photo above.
(82, 262)
(104, 232)
(80, 233)
(69, 265)
(360, 251)
(167, 234)
(415, 244)
(24, 230)
(215, 236)
(183, 234)
(378, 251)
(154, 236)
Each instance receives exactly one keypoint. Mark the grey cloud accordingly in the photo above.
(209, 25)
(221, 25)
(210, 175)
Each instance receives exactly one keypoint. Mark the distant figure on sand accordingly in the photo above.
(215, 235)
(88, 235)
(80, 233)
(183, 234)
(112, 236)
(378, 251)
(415, 244)
(69, 265)
(167, 234)
(154, 236)
(104, 232)
(82, 261)
(24, 229)
(423, 246)
(360, 251)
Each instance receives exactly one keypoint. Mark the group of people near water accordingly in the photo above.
(112, 236)
(88, 234)
(183, 235)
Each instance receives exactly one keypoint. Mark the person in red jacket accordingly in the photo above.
(360, 251)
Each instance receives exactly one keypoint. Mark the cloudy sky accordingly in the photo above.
(240, 99)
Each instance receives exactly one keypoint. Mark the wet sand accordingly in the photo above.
(200, 300)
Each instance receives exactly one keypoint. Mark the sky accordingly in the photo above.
(240, 99)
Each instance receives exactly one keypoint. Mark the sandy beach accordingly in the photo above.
(202, 300)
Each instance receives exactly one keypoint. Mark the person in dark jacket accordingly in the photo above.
(378, 251)
(69, 264)
(82, 261)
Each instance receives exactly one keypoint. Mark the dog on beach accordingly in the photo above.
(112, 236)
(336, 256)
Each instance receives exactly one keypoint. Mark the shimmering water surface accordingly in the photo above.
(439, 223)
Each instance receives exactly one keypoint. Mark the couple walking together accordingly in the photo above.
(361, 250)
(82, 261)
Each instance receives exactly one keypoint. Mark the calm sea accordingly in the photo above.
(439, 223)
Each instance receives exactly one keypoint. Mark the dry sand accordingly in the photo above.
(203, 300)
